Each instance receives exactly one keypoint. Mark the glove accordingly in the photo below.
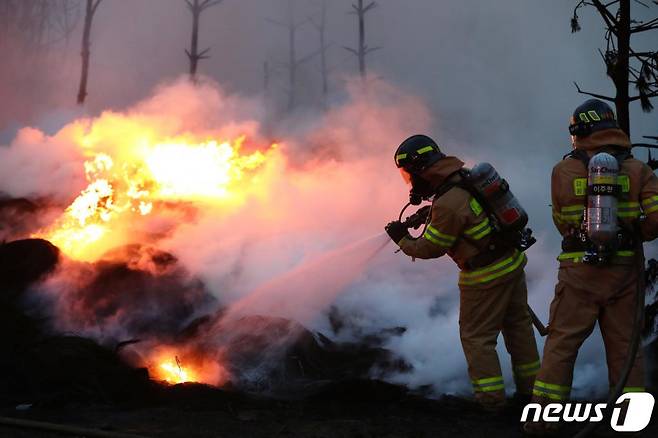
(396, 231)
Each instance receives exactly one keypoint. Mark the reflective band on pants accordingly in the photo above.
(551, 391)
(489, 384)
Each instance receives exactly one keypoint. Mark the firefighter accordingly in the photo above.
(596, 283)
(493, 294)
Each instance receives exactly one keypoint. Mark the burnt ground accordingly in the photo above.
(347, 409)
(74, 381)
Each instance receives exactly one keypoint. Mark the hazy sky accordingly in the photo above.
(496, 73)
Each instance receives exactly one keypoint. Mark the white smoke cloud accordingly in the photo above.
(35, 164)
(332, 185)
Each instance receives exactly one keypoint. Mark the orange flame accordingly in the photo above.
(176, 365)
(173, 372)
(140, 177)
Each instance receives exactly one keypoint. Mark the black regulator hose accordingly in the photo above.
(403, 210)
(636, 338)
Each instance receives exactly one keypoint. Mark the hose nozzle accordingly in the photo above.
(418, 218)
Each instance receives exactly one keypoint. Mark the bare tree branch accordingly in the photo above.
(301, 23)
(598, 96)
(624, 66)
(644, 28)
(642, 3)
(351, 50)
(370, 6)
(210, 3)
(373, 49)
(95, 6)
(607, 16)
(276, 22)
(638, 97)
(308, 57)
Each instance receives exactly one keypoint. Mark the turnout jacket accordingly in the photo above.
(638, 199)
(459, 227)
(637, 210)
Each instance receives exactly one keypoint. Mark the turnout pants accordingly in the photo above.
(484, 314)
(573, 315)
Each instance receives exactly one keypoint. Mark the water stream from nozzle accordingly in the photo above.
(308, 289)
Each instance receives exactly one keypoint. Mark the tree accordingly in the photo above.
(624, 65)
(362, 50)
(32, 25)
(65, 18)
(321, 27)
(294, 62)
(90, 10)
(196, 7)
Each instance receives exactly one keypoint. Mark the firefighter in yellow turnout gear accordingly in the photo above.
(493, 294)
(592, 286)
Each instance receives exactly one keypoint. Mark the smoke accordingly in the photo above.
(294, 243)
(135, 292)
(36, 165)
(329, 190)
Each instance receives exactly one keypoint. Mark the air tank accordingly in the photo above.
(601, 220)
(495, 191)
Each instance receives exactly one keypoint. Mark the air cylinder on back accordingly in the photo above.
(601, 221)
(496, 193)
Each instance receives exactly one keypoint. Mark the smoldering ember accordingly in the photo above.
(204, 231)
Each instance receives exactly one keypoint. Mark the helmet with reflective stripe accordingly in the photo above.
(417, 153)
(593, 115)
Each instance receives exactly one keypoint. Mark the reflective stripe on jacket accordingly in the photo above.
(638, 198)
(460, 228)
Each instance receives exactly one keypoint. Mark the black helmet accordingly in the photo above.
(417, 153)
(412, 157)
(593, 115)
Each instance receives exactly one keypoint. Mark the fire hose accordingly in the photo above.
(651, 311)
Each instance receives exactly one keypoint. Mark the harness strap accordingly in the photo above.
(620, 154)
(499, 245)
(577, 241)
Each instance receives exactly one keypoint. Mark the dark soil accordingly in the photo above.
(74, 381)
(356, 409)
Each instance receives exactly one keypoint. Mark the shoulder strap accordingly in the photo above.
(578, 154)
(445, 187)
(465, 184)
(620, 154)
